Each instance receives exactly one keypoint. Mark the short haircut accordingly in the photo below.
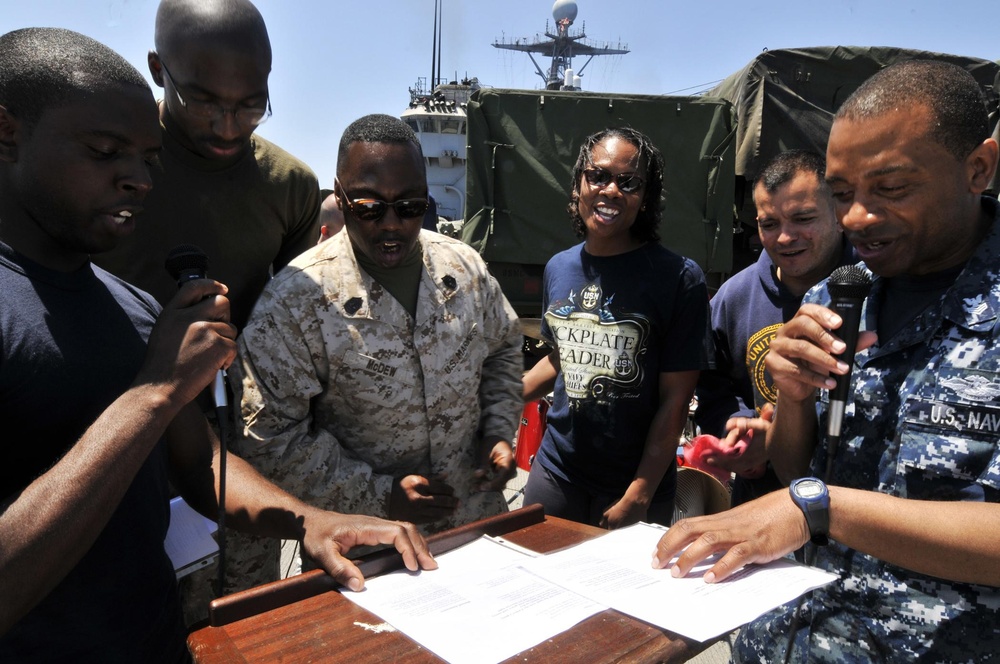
(648, 218)
(951, 93)
(784, 166)
(376, 128)
(237, 23)
(43, 68)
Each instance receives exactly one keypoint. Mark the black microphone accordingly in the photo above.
(187, 262)
(849, 286)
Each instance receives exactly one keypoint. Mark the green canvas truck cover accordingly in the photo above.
(785, 99)
(522, 145)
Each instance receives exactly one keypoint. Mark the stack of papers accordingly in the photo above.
(491, 599)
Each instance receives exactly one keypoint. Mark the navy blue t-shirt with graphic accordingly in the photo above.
(617, 322)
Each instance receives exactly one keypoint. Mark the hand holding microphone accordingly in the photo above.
(817, 346)
(187, 263)
(191, 341)
(816, 350)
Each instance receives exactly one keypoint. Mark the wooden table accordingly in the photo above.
(326, 627)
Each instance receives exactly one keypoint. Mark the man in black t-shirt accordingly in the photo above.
(94, 422)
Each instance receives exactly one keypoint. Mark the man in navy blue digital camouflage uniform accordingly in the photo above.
(915, 481)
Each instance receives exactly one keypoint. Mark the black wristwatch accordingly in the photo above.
(812, 497)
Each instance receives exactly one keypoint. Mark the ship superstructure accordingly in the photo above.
(438, 118)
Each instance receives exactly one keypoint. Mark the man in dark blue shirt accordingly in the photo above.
(802, 243)
(97, 384)
(909, 518)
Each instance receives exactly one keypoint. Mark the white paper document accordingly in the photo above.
(189, 541)
(614, 570)
(490, 600)
(479, 607)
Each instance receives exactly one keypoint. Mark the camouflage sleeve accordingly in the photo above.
(500, 386)
(276, 377)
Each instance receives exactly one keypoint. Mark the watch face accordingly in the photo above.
(809, 489)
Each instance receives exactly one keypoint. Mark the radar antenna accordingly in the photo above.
(561, 47)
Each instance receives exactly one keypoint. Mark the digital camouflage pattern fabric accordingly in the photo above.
(924, 424)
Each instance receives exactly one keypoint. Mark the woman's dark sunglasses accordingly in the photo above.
(627, 182)
(372, 209)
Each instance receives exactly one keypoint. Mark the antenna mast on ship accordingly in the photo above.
(436, 47)
(561, 47)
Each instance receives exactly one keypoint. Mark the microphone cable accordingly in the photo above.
(222, 415)
(849, 286)
(185, 263)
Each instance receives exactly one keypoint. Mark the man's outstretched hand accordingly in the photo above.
(329, 536)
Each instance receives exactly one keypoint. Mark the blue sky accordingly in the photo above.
(337, 60)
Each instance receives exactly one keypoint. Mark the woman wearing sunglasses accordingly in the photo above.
(627, 319)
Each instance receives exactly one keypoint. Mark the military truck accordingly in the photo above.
(522, 146)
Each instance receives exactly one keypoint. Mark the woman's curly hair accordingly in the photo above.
(648, 218)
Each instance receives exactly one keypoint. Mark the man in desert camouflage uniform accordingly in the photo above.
(381, 371)
(915, 481)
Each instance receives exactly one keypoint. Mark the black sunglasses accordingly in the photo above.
(627, 182)
(372, 209)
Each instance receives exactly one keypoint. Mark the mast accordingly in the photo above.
(561, 47)
(434, 47)
(440, 24)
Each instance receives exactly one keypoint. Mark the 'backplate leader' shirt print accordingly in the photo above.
(599, 355)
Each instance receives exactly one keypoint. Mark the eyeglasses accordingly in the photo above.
(210, 110)
(627, 182)
(372, 209)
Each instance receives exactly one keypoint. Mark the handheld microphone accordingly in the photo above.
(185, 263)
(849, 286)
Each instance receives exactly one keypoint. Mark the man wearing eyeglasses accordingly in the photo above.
(381, 370)
(248, 204)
